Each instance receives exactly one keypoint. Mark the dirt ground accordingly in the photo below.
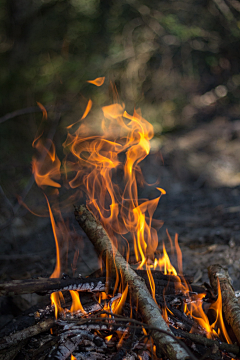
(200, 171)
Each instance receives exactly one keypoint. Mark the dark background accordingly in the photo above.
(179, 62)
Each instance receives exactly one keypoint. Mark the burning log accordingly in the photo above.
(198, 339)
(230, 304)
(148, 308)
(45, 286)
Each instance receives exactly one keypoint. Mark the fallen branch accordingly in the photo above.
(137, 287)
(230, 304)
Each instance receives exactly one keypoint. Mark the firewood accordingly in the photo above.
(19, 336)
(45, 286)
(137, 287)
(199, 339)
(231, 308)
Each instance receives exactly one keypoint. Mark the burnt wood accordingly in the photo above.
(199, 339)
(45, 286)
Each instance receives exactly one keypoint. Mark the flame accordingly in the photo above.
(164, 264)
(217, 307)
(195, 310)
(118, 304)
(152, 284)
(108, 338)
(56, 298)
(97, 157)
(57, 271)
(44, 111)
(76, 303)
(106, 166)
(73, 357)
(98, 81)
(46, 168)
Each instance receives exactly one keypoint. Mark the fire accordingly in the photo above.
(56, 298)
(46, 169)
(76, 303)
(108, 338)
(98, 81)
(217, 307)
(95, 159)
(105, 164)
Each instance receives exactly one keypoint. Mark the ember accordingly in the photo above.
(130, 309)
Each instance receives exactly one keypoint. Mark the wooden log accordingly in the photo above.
(230, 306)
(45, 286)
(137, 287)
(19, 336)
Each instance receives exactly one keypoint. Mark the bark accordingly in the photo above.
(137, 287)
(47, 286)
(19, 336)
(230, 306)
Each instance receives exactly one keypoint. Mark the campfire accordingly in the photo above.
(137, 305)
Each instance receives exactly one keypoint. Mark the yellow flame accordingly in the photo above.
(76, 303)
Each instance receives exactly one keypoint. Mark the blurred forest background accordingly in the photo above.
(179, 61)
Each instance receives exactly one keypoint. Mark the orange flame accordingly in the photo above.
(97, 157)
(92, 163)
(46, 169)
(98, 81)
(194, 309)
(76, 303)
(217, 307)
(56, 298)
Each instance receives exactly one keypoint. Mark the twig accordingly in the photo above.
(139, 292)
(230, 304)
